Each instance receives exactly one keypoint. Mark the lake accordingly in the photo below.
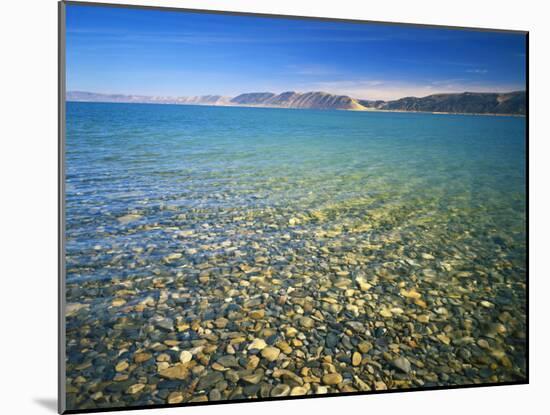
(390, 248)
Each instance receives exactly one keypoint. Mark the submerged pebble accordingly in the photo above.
(240, 278)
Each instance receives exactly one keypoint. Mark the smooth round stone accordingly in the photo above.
(385, 313)
(142, 357)
(209, 380)
(307, 322)
(265, 390)
(175, 397)
(119, 386)
(380, 331)
(257, 314)
(214, 395)
(168, 384)
(232, 376)
(202, 398)
(253, 362)
(289, 376)
(138, 387)
(444, 339)
(97, 396)
(271, 340)
(347, 342)
(291, 332)
(364, 347)
(119, 377)
(402, 364)
(356, 326)
(221, 322)
(285, 347)
(484, 344)
(257, 344)
(163, 394)
(380, 386)
(332, 379)
(254, 378)
(498, 328)
(179, 371)
(162, 366)
(121, 366)
(280, 390)
(163, 357)
(298, 390)
(228, 361)
(185, 356)
(356, 359)
(217, 366)
(331, 340)
(165, 324)
(271, 353)
(251, 390)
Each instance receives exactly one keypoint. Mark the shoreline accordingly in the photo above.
(294, 108)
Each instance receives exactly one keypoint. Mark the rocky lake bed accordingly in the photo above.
(270, 313)
(342, 253)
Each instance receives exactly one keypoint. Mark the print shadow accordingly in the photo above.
(48, 403)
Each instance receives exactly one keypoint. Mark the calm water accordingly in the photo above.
(215, 164)
(398, 239)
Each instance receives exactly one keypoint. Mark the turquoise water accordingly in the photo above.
(410, 225)
(228, 161)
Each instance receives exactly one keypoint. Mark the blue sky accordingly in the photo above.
(152, 52)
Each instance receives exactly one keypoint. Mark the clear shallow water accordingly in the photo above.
(198, 207)
(234, 161)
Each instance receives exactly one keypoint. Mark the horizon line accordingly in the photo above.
(292, 91)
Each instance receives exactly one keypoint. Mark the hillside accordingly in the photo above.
(512, 103)
(291, 99)
(465, 103)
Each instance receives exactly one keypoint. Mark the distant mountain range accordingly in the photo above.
(80, 96)
(510, 103)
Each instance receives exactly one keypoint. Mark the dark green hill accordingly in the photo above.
(466, 103)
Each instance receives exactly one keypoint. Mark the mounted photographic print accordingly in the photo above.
(258, 207)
